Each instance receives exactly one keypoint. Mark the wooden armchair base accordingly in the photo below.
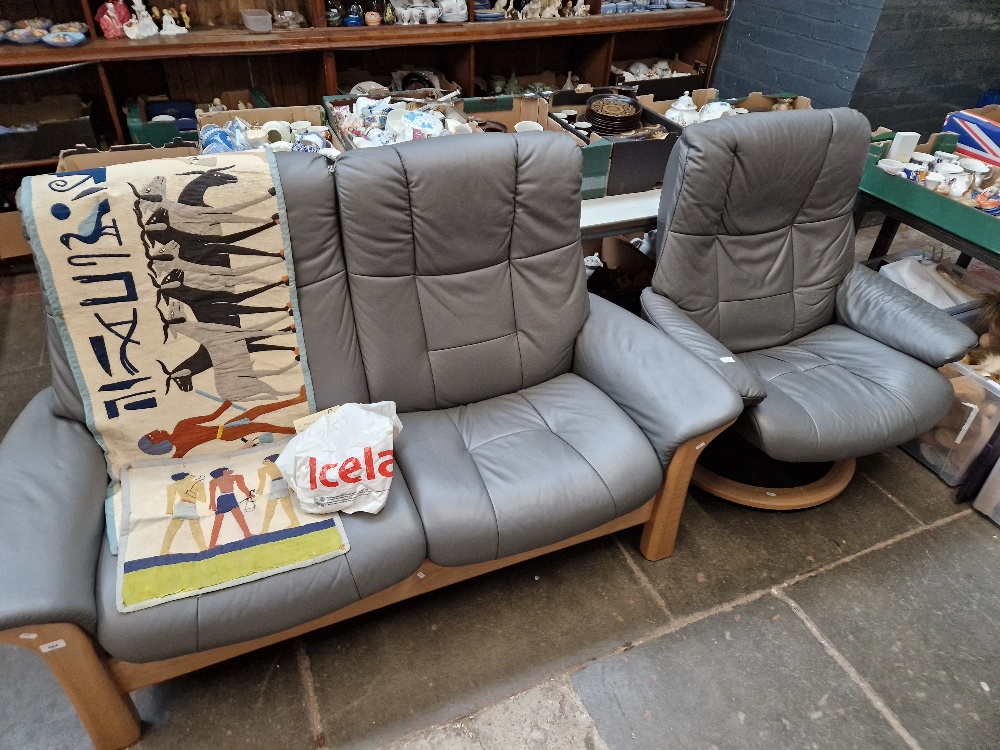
(99, 686)
(809, 495)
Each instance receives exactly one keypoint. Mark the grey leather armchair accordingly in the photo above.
(446, 276)
(755, 273)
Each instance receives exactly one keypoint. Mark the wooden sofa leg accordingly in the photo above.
(107, 713)
(660, 531)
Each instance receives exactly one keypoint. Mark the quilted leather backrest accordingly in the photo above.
(331, 341)
(755, 225)
(464, 264)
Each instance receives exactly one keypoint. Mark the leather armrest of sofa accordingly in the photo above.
(882, 310)
(674, 322)
(54, 484)
(667, 391)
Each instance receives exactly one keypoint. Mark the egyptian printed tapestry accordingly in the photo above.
(172, 285)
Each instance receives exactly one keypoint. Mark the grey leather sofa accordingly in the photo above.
(445, 276)
(755, 272)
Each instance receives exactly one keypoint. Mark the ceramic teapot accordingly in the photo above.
(683, 112)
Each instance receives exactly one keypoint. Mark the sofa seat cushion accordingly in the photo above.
(524, 470)
(385, 549)
(837, 394)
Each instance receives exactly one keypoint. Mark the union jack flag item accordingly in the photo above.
(978, 136)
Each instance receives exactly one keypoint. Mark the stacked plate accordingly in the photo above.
(612, 114)
(489, 15)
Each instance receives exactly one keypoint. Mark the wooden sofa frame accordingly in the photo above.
(98, 685)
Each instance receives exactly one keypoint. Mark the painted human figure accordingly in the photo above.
(183, 495)
(269, 478)
(189, 433)
(222, 500)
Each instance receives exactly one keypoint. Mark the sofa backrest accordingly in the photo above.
(464, 264)
(333, 354)
(755, 227)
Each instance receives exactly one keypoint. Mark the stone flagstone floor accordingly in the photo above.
(870, 622)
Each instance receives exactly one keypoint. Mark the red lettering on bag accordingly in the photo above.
(348, 469)
(312, 473)
(324, 479)
(369, 464)
(385, 467)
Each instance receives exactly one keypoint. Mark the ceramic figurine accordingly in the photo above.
(567, 10)
(131, 29)
(550, 9)
(662, 69)
(147, 27)
(170, 27)
(783, 104)
(497, 84)
(217, 105)
(107, 19)
(155, 13)
(581, 9)
(185, 18)
(533, 9)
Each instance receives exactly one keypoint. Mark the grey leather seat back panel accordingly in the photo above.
(328, 329)
(472, 285)
(750, 266)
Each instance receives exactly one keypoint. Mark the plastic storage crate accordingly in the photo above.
(950, 447)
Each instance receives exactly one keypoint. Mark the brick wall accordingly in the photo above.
(816, 48)
(928, 58)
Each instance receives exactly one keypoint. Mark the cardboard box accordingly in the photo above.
(632, 165)
(91, 158)
(667, 88)
(758, 102)
(313, 113)
(12, 241)
(58, 122)
(510, 110)
(882, 140)
(978, 132)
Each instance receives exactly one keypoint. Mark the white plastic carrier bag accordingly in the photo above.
(342, 459)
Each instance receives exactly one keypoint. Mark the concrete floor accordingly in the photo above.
(870, 622)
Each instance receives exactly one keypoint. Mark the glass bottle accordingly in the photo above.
(334, 13)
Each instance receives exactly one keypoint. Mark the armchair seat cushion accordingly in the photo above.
(834, 394)
(524, 470)
(385, 549)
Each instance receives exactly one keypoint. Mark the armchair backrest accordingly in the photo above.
(464, 264)
(755, 227)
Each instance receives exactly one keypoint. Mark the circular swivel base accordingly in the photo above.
(818, 492)
(733, 469)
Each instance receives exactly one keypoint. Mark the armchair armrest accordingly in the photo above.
(667, 391)
(882, 310)
(674, 322)
(52, 502)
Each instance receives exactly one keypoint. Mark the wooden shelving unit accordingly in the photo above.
(300, 66)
